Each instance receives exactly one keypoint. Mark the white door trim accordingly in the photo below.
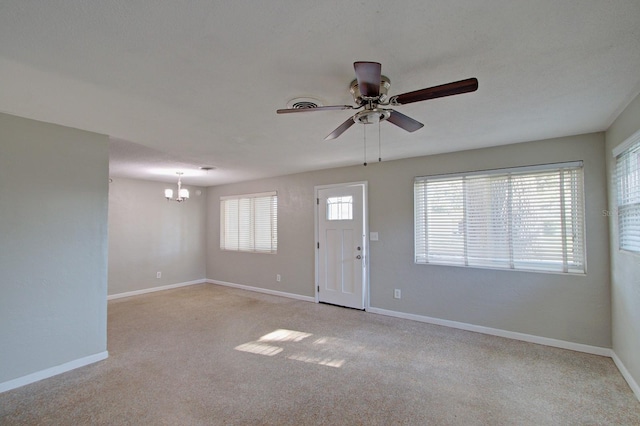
(365, 250)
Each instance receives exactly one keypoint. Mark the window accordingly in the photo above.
(249, 223)
(340, 208)
(628, 194)
(526, 218)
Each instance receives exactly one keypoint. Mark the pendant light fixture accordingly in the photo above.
(183, 193)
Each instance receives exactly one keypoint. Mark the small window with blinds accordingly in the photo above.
(249, 223)
(628, 195)
(526, 218)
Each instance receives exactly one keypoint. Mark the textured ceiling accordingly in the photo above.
(184, 84)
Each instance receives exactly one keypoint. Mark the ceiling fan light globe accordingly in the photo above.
(371, 116)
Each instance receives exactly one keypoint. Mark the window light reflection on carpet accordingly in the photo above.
(259, 347)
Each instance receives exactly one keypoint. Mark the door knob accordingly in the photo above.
(358, 257)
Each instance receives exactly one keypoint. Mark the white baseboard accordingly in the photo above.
(53, 371)
(153, 289)
(579, 347)
(264, 290)
(627, 376)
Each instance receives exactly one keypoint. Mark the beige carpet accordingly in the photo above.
(209, 355)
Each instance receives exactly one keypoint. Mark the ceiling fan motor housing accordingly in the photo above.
(385, 83)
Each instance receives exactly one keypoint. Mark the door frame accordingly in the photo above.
(365, 238)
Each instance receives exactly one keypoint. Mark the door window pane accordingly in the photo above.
(340, 208)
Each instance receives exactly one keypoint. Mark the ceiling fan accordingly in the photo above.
(369, 91)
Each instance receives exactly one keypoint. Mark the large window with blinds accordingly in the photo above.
(628, 195)
(525, 218)
(249, 223)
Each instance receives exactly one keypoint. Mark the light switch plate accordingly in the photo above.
(373, 236)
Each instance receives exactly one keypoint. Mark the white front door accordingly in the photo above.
(341, 251)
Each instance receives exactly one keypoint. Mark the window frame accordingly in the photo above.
(572, 232)
(628, 148)
(227, 244)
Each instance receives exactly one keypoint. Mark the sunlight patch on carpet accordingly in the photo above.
(259, 348)
(337, 363)
(320, 351)
(282, 335)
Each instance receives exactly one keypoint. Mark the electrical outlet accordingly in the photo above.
(397, 294)
(278, 277)
(158, 274)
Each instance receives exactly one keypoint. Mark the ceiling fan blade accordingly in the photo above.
(369, 75)
(405, 122)
(320, 108)
(341, 129)
(455, 88)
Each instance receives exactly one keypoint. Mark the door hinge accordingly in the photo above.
(318, 201)
(318, 245)
(318, 289)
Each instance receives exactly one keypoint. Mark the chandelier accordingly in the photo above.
(183, 193)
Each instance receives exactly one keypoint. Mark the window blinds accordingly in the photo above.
(249, 223)
(524, 218)
(628, 195)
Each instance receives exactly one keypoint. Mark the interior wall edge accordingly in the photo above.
(263, 290)
(52, 371)
(514, 335)
(154, 289)
(625, 373)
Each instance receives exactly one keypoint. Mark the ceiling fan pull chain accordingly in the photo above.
(364, 133)
(379, 145)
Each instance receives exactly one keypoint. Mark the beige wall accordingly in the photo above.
(148, 234)
(567, 307)
(53, 245)
(625, 266)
